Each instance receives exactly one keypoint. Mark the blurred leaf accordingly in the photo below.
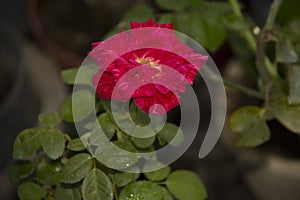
(66, 112)
(207, 32)
(107, 125)
(186, 185)
(77, 168)
(166, 194)
(173, 4)
(143, 142)
(84, 76)
(138, 13)
(142, 190)
(285, 52)
(31, 191)
(49, 119)
(76, 145)
(20, 169)
(67, 193)
(96, 185)
(166, 18)
(172, 134)
(124, 178)
(53, 143)
(82, 104)
(157, 175)
(48, 172)
(120, 157)
(69, 75)
(294, 94)
(250, 123)
(28, 142)
(288, 115)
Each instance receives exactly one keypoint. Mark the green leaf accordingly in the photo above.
(68, 76)
(48, 172)
(166, 194)
(288, 115)
(143, 142)
(31, 191)
(77, 168)
(106, 125)
(210, 35)
(53, 143)
(97, 185)
(142, 190)
(294, 94)
(117, 158)
(123, 178)
(67, 193)
(28, 142)
(158, 175)
(285, 52)
(49, 119)
(66, 112)
(139, 116)
(173, 4)
(82, 104)
(207, 31)
(250, 123)
(169, 134)
(76, 145)
(20, 169)
(186, 185)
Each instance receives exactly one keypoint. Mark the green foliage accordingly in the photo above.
(77, 167)
(53, 143)
(294, 81)
(186, 185)
(49, 119)
(288, 115)
(249, 122)
(68, 193)
(123, 178)
(31, 191)
(142, 190)
(173, 4)
(20, 169)
(96, 185)
(76, 145)
(170, 133)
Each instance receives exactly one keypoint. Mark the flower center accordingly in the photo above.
(149, 61)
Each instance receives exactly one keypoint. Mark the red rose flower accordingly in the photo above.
(147, 57)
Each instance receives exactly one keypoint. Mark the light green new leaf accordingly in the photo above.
(49, 119)
(53, 143)
(250, 123)
(142, 190)
(77, 168)
(288, 115)
(28, 142)
(66, 112)
(31, 191)
(186, 185)
(96, 185)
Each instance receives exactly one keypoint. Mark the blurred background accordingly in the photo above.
(41, 37)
